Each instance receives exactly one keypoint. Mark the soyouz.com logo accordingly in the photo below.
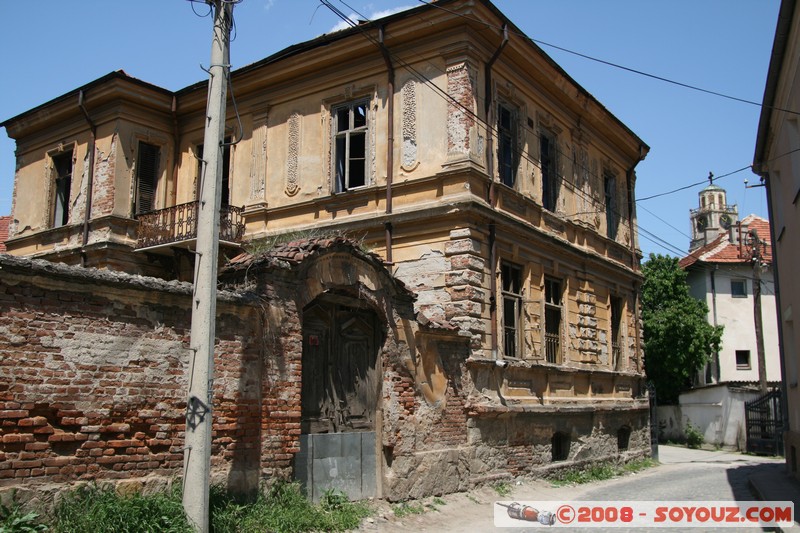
(643, 514)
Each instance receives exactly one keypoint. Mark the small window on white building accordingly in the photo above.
(739, 288)
(742, 359)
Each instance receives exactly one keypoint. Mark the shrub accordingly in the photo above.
(694, 437)
(14, 520)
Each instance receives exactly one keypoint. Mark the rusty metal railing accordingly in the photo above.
(179, 223)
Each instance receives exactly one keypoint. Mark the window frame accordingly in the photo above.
(507, 144)
(548, 165)
(139, 194)
(616, 310)
(610, 204)
(61, 186)
(225, 192)
(341, 183)
(552, 345)
(737, 294)
(511, 284)
(743, 366)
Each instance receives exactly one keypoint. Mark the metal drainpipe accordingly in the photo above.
(636, 285)
(176, 150)
(488, 109)
(90, 184)
(390, 142)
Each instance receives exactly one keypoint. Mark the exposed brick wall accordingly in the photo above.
(94, 381)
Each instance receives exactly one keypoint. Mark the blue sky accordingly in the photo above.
(52, 47)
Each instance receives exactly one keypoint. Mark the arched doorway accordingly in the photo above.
(341, 384)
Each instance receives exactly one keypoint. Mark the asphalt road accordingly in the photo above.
(685, 475)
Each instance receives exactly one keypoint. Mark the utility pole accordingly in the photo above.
(756, 258)
(197, 452)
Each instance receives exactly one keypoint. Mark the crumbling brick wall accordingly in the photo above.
(94, 377)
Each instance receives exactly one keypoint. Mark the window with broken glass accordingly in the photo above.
(62, 169)
(507, 152)
(552, 320)
(511, 278)
(225, 189)
(616, 329)
(547, 161)
(612, 219)
(350, 131)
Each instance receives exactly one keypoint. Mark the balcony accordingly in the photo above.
(177, 226)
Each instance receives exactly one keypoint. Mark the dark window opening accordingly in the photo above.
(552, 320)
(742, 359)
(225, 187)
(507, 157)
(612, 220)
(146, 177)
(616, 334)
(62, 164)
(560, 446)
(547, 151)
(511, 277)
(350, 146)
(739, 288)
(623, 438)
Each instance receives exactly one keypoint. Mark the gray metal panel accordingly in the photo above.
(302, 463)
(369, 473)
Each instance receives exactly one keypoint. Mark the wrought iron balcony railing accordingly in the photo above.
(179, 223)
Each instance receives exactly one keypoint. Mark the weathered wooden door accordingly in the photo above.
(340, 391)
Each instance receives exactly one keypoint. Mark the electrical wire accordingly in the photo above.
(612, 64)
(522, 153)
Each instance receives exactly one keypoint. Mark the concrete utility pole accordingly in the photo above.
(197, 453)
(756, 258)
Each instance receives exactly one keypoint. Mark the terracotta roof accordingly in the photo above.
(5, 222)
(722, 250)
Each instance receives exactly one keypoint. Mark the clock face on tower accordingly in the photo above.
(701, 223)
(725, 221)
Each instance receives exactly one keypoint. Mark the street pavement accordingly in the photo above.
(683, 474)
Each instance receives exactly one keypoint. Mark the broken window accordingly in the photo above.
(146, 178)
(507, 152)
(225, 192)
(623, 438)
(547, 160)
(350, 129)
(511, 277)
(552, 320)
(616, 326)
(62, 167)
(612, 219)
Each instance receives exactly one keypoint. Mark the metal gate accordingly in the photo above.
(764, 424)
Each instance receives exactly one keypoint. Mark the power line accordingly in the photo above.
(523, 154)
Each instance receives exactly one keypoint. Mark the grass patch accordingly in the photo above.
(260, 246)
(502, 489)
(405, 509)
(599, 472)
(101, 510)
(283, 508)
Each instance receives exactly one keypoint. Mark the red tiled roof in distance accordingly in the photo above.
(721, 250)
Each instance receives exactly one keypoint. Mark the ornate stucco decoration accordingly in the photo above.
(293, 151)
(258, 156)
(409, 110)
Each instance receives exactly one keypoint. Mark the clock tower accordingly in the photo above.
(713, 217)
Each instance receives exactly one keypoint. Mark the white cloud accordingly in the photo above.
(353, 18)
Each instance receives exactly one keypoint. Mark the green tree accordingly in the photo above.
(678, 340)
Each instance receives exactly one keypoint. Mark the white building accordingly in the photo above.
(720, 272)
